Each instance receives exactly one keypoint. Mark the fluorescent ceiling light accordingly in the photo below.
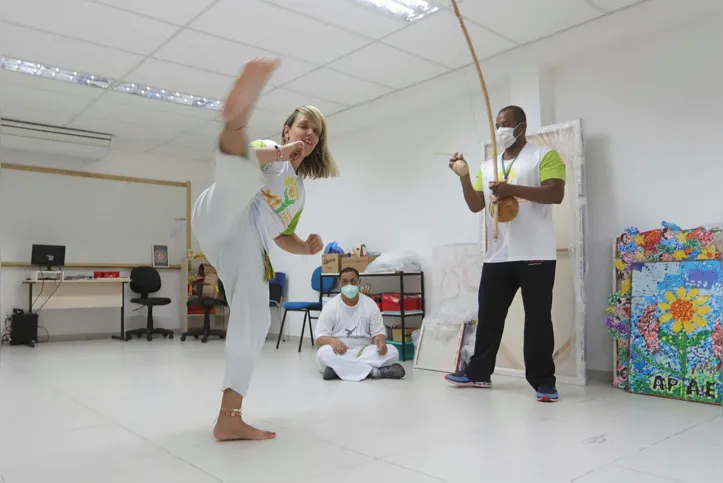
(91, 80)
(407, 10)
(57, 73)
(169, 96)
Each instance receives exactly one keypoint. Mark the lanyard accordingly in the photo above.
(506, 172)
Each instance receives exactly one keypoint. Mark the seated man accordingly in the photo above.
(352, 336)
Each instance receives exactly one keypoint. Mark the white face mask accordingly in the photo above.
(506, 136)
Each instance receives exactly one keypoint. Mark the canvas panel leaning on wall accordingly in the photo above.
(665, 314)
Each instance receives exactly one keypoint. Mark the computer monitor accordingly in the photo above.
(48, 256)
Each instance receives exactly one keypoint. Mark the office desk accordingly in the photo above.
(79, 294)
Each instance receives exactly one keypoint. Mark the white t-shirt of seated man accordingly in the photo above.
(354, 325)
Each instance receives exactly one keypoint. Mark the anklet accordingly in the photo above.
(231, 412)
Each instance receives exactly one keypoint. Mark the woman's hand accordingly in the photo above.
(293, 151)
(314, 244)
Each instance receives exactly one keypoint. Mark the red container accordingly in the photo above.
(377, 300)
(391, 302)
(106, 274)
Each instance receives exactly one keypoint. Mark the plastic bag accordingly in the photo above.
(415, 338)
(333, 247)
(395, 262)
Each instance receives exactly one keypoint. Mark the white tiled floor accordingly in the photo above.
(142, 412)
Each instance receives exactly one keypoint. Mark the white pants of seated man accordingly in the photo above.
(349, 367)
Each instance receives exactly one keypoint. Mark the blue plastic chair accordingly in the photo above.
(325, 286)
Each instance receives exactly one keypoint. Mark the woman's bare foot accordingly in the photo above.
(240, 103)
(232, 428)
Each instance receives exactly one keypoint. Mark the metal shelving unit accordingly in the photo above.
(401, 314)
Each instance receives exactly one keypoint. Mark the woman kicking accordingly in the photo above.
(256, 200)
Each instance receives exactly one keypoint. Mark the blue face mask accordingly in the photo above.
(350, 291)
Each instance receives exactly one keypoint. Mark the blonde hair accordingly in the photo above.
(320, 163)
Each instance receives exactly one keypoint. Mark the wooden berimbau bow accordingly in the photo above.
(505, 209)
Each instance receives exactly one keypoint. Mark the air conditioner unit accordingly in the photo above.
(40, 138)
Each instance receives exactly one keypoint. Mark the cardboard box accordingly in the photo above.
(330, 263)
(357, 262)
(397, 334)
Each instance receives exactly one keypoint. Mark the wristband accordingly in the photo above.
(278, 153)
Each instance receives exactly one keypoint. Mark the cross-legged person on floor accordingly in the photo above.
(352, 336)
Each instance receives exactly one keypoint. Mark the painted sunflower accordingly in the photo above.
(686, 310)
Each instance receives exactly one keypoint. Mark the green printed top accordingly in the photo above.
(279, 204)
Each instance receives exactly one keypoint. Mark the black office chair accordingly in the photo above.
(146, 281)
(208, 303)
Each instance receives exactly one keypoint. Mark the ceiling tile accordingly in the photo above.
(387, 65)
(88, 21)
(267, 121)
(174, 77)
(439, 38)
(528, 20)
(337, 87)
(161, 105)
(225, 57)
(283, 102)
(155, 119)
(43, 83)
(178, 12)
(612, 5)
(346, 14)
(270, 27)
(205, 136)
(29, 114)
(41, 99)
(45, 48)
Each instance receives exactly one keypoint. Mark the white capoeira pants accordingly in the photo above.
(349, 367)
(223, 223)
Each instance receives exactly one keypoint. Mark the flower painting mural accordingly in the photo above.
(676, 309)
(666, 313)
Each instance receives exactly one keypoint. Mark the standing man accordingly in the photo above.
(522, 257)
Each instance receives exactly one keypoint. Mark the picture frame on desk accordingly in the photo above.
(160, 256)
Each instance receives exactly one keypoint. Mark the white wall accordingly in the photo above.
(64, 323)
(651, 112)
(647, 92)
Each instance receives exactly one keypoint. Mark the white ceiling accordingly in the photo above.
(335, 54)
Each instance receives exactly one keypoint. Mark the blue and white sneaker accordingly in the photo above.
(460, 379)
(547, 393)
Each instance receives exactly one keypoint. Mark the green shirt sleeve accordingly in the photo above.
(291, 229)
(259, 143)
(478, 183)
(552, 167)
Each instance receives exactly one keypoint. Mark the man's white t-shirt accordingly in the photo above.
(531, 235)
(354, 326)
